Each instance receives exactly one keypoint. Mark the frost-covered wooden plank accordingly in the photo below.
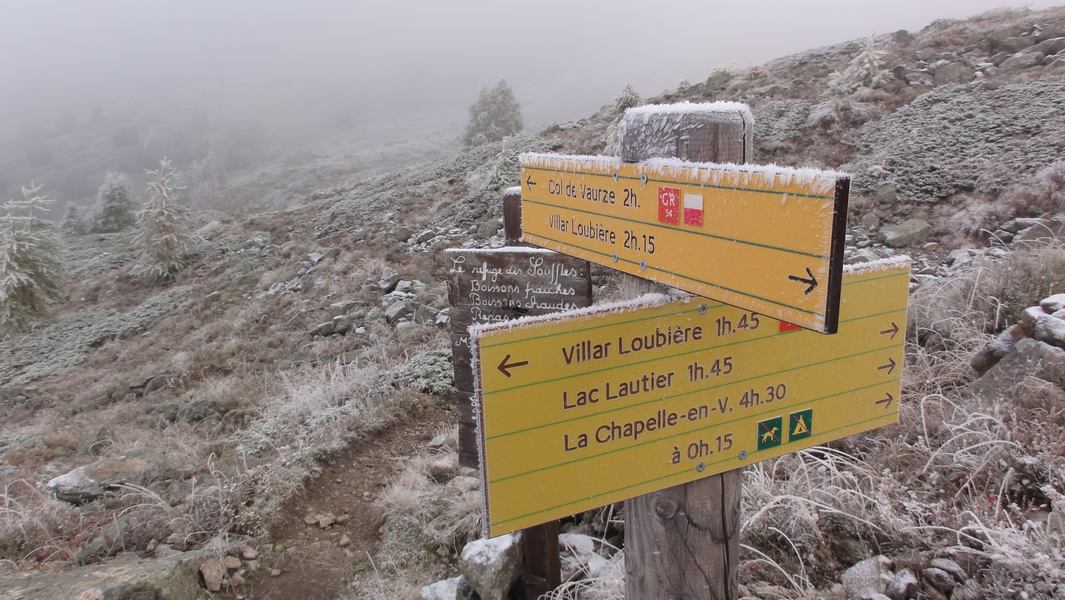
(761, 237)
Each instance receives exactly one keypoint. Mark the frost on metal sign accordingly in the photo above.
(767, 239)
(594, 406)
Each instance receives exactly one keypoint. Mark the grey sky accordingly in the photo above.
(563, 57)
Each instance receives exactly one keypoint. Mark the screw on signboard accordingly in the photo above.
(643, 265)
(702, 309)
(614, 256)
(743, 455)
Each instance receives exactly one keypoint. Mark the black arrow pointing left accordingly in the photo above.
(809, 280)
(529, 183)
(505, 367)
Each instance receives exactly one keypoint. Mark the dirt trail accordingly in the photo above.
(312, 562)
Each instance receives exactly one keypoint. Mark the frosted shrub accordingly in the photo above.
(163, 239)
(115, 205)
(29, 269)
(494, 116)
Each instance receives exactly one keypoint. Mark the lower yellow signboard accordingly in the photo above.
(593, 406)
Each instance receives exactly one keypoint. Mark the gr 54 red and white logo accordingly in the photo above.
(668, 205)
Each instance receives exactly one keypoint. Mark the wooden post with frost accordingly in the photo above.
(681, 543)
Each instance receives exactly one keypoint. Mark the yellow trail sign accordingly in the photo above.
(593, 406)
(768, 239)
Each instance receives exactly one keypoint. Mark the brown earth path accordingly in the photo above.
(313, 564)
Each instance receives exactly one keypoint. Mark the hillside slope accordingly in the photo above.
(185, 420)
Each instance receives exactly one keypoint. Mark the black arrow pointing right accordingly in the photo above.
(505, 367)
(886, 400)
(894, 330)
(809, 280)
(890, 366)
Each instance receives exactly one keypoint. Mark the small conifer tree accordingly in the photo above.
(115, 205)
(494, 116)
(629, 98)
(29, 267)
(864, 71)
(73, 225)
(163, 239)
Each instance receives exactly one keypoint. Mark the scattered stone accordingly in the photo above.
(1051, 330)
(438, 442)
(125, 577)
(315, 257)
(455, 588)
(950, 73)
(397, 311)
(322, 329)
(1022, 60)
(89, 482)
(326, 520)
(388, 283)
(1052, 304)
(906, 233)
(231, 563)
(343, 324)
(275, 572)
(578, 557)
(1050, 46)
(310, 519)
(904, 586)
(951, 567)
(212, 571)
(492, 565)
(862, 255)
(342, 308)
(344, 541)
(344, 518)
(994, 351)
(938, 579)
(870, 575)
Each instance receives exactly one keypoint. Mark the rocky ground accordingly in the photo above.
(268, 426)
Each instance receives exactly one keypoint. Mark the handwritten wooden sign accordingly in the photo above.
(494, 285)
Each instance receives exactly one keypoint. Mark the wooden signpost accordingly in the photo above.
(616, 401)
(496, 285)
(661, 401)
(768, 239)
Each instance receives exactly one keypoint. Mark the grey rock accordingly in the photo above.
(315, 257)
(397, 311)
(951, 567)
(1029, 358)
(1051, 330)
(906, 233)
(491, 566)
(127, 577)
(343, 324)
(863, 255)
(443, 318)
(938, 579)
(454, 588)
(404, 326)
(993, 352)
(870, 220)
(424, 236)
(213, 573)
(1019, 224)
(425, 314)
(388, 282)
(1022, 60)
(870, 575)
(903, 586)
(1052, 304)
(578, 556)
(954, 72)
(1050, 46)
(89, 482)
(342, 308)
(322, 329)
(326, 520)
(405, 286)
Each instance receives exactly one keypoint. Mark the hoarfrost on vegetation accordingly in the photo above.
(962, 138)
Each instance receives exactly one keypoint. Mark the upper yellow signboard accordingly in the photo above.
(767, 239)
(589, 407)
